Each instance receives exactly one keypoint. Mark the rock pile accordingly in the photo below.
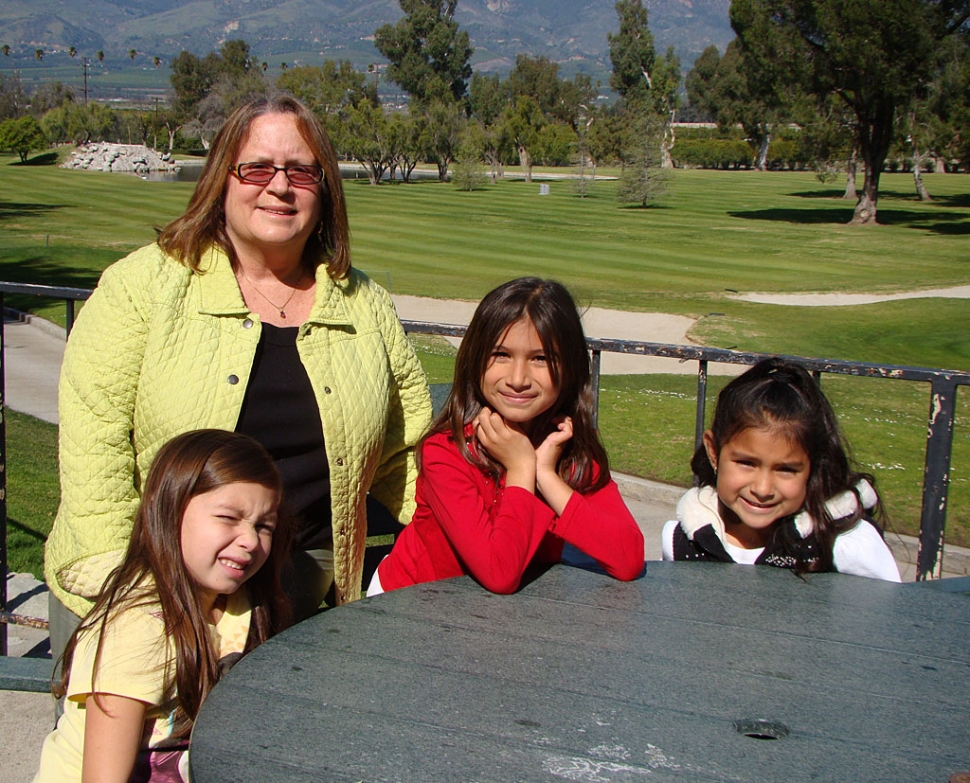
(135, 158)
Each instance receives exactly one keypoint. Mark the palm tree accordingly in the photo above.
(72, 51)
(131, 54)
(39, 54)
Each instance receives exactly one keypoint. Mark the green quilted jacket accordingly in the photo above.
(159, 350)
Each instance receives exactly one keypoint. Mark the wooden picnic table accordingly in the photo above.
(696, 671)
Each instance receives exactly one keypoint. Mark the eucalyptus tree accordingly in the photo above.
(429, 55)
(645, 81)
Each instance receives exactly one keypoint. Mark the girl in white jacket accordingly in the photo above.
(775, 484)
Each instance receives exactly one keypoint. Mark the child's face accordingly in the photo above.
(227, 534)
(762, 476)
(517, 382)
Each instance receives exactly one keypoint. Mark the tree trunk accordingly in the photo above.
(761, 161)
(851, 166)
(669, 137)
(921, 192)
(875, 138)
(525, 160)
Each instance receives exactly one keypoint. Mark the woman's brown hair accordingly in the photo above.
(153, 572)
(203, 224)
(583, 465)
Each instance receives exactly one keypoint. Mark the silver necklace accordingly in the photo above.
(282, 307)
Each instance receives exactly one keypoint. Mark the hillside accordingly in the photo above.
(572, 32)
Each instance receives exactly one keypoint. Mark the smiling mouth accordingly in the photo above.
(233, 565)
(284, 212)
(756, 506)
(518, 399)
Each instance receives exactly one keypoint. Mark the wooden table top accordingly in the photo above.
(578, 677)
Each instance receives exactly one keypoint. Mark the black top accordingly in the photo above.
(280, 411)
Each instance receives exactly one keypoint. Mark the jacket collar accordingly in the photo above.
(220, 295)
(698, 507)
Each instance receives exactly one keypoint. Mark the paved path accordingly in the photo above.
(849, 300)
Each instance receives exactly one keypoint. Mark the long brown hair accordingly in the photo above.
(583, 465)
(780, 395)
(153, 572)
(203, 224)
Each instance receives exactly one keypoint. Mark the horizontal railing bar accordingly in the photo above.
(50, 291)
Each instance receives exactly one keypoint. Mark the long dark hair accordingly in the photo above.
(782, 396)
(153, 572)
(548, 305)
(203, 223)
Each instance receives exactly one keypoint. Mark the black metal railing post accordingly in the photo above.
(936, 477)
(597, 358)
(3, 477)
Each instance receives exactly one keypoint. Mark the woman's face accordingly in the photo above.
(278, 217)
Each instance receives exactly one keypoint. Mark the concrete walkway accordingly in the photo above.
(33, 353)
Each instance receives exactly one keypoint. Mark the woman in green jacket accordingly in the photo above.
(245, 315)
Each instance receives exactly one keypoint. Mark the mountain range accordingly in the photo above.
(570, 32)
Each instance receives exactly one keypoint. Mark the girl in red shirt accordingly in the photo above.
(512, 470)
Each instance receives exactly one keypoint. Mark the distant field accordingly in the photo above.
(717, 233)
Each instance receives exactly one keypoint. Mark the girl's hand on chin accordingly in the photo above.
(550, 450)
(506, 442)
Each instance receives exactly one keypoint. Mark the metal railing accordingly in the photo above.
(940, 418)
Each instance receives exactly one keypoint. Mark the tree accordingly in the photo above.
(468, 174)
(872, 54)
(13, 98)
(643, 180)
(368, 139)
(5, 49)
(327, 91)
(429, 56)
(208, 90)
(21, 136)
(39, 54)
(558, 99)
(523, 122)
(445, 121)
(409, 142)
(645, 81)
(49, 96)
(721, 88)
(631, 53)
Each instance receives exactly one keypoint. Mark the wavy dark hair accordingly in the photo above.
(782, 396)
(583, 464)
(153, 572)
(203, 224)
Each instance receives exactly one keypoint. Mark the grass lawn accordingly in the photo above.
(716, 234)
(32, 490)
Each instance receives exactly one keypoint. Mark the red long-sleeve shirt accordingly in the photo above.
(466, 523)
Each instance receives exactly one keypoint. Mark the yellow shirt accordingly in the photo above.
(137, 662)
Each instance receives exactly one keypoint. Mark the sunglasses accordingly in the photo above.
(263, 173)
